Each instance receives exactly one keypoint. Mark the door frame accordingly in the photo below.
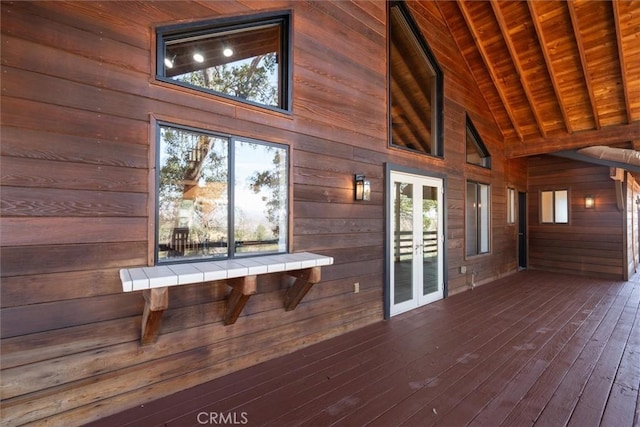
(388, 244)
(522, 231)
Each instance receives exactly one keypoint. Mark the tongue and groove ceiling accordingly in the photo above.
(556, 75)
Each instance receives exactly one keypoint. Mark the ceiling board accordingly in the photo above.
(553, 71)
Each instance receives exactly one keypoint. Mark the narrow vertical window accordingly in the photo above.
(511, 206)
(244, 58)
(416, 87)
(554, 207)
(219, 196)
(477, 218)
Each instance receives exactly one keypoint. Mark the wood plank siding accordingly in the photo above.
(592, 242)
(80, 103)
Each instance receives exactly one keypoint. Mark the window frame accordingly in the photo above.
(554, 221)
(478, 222)
(512, 207)
(438, 107)
(231, 253)
(168, 33)
(479, 144)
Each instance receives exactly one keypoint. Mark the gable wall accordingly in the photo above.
(78, 103)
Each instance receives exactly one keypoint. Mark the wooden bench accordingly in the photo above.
(240, 274)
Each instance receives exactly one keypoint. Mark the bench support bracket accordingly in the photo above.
(241, 290)
(156, 301)
(304, 280)
(300, 271)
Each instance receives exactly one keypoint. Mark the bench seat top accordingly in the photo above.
(140, 278)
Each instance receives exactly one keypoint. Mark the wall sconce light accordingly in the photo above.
(589, 201)
(363, 188)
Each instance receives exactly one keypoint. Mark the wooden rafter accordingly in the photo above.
(492, 73)
(548, 62)
(466, 61)
(609, 135)
(621, 59)
(516, 63)
(583, 61)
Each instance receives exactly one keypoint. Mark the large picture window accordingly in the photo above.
(219, 196)
(416, 87)
(477, 218)
(246, 58)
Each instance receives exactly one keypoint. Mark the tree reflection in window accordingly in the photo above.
(201, 214)
(245, 57)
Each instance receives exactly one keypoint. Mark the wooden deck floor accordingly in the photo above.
(533, 348)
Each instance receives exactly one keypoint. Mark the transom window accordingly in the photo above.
(219, 196)
(476, 151)
(554, 207)
(246, 58)
(477, 218)
(416, 87)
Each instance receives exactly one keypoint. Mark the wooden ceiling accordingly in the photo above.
(556, 75)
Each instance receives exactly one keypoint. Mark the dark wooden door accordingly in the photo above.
(522, 230)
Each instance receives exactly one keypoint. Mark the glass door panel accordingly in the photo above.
(416, 248)
(403, 243)
(430, 248)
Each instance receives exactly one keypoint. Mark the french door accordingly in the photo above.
(417, 238)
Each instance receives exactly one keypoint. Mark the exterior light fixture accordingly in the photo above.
(227, 51)
(589, 201)
(362, 188)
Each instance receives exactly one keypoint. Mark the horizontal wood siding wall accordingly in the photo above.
(592, 244)
(78, 102)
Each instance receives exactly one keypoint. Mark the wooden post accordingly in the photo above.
(305, 279)
(156, 301)
(242, 289)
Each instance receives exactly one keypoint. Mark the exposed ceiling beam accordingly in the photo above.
(466, 61)
(623, 68)
(466, 14)
(547, 59)
(609, 135)
(583, 61)
(516, 62)
(577, 156)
